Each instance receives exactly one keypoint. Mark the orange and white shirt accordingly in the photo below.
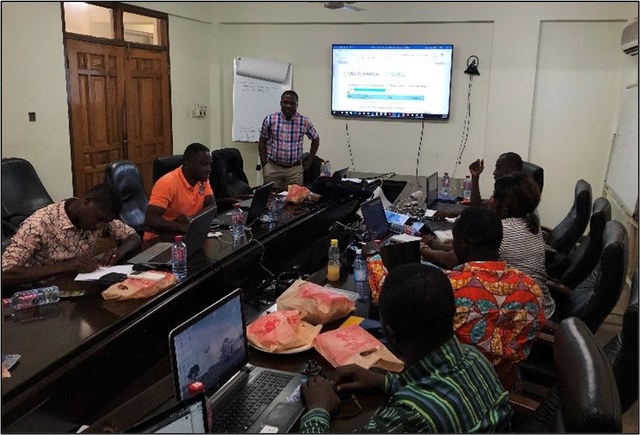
(176, 196)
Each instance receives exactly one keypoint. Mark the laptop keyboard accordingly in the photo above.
(250, 402)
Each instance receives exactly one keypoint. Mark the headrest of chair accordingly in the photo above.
(164, 165)
(22, 190)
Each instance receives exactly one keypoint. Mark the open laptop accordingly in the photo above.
(257, 208)
(340, 174)
(436, 201)
(160, 253)
(211, 348)
(187, 416)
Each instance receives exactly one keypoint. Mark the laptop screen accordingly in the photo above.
(259, 203)
(375, 218)
(210, 347)
(432, 190)
(188, 416)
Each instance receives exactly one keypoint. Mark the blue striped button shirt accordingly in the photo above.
(285, 137)
(453, 389)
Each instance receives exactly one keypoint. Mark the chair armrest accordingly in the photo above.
(8, 229)
(525, 404)
(547, 338)
(558, 287)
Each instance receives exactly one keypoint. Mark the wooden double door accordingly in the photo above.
(120, 109)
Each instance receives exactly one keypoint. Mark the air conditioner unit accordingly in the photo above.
(629, 40)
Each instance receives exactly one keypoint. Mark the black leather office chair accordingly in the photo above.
(6, 241)
(395, 254)
(564, 236)
(623, 351)
(585, 396)
(584, 257)
(227, 178)
(591, 301)
(124, 175)
(310, 175)
(164, 165)
(22, 193)
(535, 172)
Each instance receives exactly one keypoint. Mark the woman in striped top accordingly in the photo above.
(515, 198)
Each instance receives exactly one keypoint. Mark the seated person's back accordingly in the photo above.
(446, 386)
(498, 308)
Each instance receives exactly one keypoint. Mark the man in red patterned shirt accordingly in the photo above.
(63, 237)
(498, 308)
(280, 144)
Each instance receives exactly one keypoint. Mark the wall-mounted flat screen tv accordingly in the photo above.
(391, 81)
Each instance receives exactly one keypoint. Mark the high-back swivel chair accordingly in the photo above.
(22, 193)
(227, 178)
(564, 236)
(534, 171)
(164, 165)
(124, 175)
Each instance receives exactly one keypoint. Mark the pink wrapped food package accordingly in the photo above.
(280, 331)
(318, 305)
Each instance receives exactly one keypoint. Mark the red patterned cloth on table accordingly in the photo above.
(498, 310)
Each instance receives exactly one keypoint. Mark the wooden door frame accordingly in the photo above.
(118, 41)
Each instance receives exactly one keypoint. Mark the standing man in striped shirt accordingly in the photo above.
(280, 144)
(446, 387)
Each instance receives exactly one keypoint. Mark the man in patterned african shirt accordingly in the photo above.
(498, 308)
(63, 237)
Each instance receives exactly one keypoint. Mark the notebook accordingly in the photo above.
(257, 208)
(211, 347)
(187, 416)
(160, 253)
(439, 202)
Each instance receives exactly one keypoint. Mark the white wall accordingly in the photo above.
(509, 38)
(33, 80)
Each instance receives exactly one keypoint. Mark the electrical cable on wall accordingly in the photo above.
(419, 151)
(471, 70)
(353, 165)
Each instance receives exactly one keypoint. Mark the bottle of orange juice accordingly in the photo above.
(333, 266)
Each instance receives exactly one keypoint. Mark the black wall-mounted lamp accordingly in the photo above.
(472, 66)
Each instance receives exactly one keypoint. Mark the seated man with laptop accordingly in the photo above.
(179, 194)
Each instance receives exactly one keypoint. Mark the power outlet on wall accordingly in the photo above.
(199, 111)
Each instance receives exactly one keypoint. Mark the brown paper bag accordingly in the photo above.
(135, 288)
(317, 304)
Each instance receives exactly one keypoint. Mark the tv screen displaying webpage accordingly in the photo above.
(391, 81)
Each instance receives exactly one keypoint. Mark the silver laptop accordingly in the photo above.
(211, 348)
(187, 416)
(160, 253)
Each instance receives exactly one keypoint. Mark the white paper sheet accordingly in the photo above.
(101, 271)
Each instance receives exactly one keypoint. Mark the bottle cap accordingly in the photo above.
(196, 387)
(178, 238)
(334, 241)
(6, 302)
(358, 251)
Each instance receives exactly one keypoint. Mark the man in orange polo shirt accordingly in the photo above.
(181, 193)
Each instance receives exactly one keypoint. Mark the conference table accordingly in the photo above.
(82, 360)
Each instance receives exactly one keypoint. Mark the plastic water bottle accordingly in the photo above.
(445, 184)
(333, 265)
(33, 298)
(179, 258)
(327, 168)
(360, 276)
(237, 222)
(258, 174)
(272, 208)
(466, 189)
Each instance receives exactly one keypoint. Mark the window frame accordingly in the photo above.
(118, 24)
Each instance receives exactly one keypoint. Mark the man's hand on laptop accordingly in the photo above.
(183, 223)
(318, 393)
